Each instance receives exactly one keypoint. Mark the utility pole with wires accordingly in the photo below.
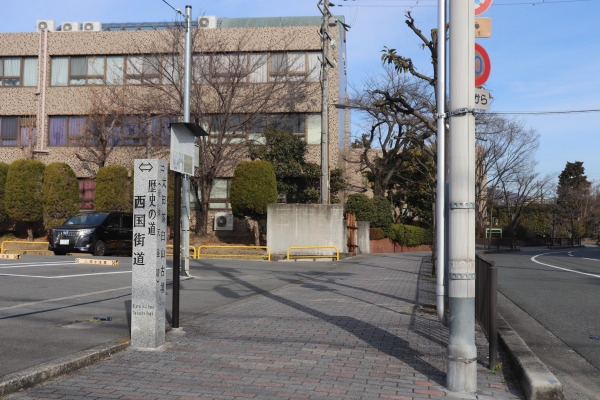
(325, 63)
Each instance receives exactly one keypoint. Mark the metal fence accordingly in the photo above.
(486, 300)
(559, 242)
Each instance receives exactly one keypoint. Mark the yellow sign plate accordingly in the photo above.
(97, 262)
(11, 256)
(483, 27)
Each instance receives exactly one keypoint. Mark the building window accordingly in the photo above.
(219, 194)
(294, 66)
(113, 70)
(17, 131)
(132, 131)
(66, 131)
(18, 71)
(152, 69)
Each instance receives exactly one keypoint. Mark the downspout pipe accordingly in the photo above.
(440, 207)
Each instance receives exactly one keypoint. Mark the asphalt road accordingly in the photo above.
(46, 302)
(556, 295)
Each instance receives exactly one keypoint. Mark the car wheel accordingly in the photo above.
(59, 253)
(99, 248)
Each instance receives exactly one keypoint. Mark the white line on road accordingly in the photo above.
(77, 296)
(561, 268)
(65, 276)
(23, 265)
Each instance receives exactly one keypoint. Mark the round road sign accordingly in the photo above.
(482, 65)
(481, 6)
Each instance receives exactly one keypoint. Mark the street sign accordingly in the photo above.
(481, 6)
(483, 27)
(482, 65)
(184, 152)
(482, 99)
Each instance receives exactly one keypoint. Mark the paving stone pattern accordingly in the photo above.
(360, 332)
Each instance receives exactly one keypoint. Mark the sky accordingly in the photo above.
(544, 54)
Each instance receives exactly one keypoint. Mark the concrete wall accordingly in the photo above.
(300, 225)
(363, 237)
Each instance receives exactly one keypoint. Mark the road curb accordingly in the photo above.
(40, 373)
(536, 379)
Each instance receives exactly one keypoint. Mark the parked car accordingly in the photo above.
(95, 232)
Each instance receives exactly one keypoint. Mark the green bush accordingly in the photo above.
(112, 193)
(408, 235)
(3, 172)
(23, 193)
(377, 211)
(60, 194)
(376, 234)
(253, 188)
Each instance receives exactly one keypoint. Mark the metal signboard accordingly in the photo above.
(482, 65)
(482, 99)
(184, 152)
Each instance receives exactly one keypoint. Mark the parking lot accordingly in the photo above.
(48, 303)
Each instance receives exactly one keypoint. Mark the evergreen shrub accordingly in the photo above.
(410, 236)
(60, 194)
(112, 191)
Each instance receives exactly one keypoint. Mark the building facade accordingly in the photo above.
(95, 94)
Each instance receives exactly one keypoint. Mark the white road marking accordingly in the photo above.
(66, 276)
(561, 268)
(24, 265)
(33, 303)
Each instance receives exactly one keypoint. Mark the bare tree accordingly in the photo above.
(231, 95)
(504, 155)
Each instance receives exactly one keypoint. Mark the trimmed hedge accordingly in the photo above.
(408, 235)
(60, 194)
(23, 190)
(112, 193)
(377, 211)
(376, 234)
(253, 188)
(3, 172)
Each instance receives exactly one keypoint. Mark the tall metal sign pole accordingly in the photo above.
(179, 170)
(187, 84)
(325, 105)
(461, 371)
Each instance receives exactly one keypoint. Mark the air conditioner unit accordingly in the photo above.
(69, 26)
(46, 24)
(92, 26)
(207, 22)
(223, 221)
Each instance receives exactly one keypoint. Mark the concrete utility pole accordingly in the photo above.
(462, 354)
(325, 104)
(440, 198)
(187, 84)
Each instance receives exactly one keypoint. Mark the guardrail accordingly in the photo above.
(192, 248)
(486, 300)
(2, 249)
(235, 255)
(336, 256)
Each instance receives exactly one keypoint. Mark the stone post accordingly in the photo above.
(149, 259)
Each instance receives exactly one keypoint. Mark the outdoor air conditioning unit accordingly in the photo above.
(207, 22)
(46, 24)
(69, 26)
(92, 26)
(223, 221)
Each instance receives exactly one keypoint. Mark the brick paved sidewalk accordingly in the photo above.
(361, 332)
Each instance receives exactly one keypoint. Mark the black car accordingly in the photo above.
(95, 232)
